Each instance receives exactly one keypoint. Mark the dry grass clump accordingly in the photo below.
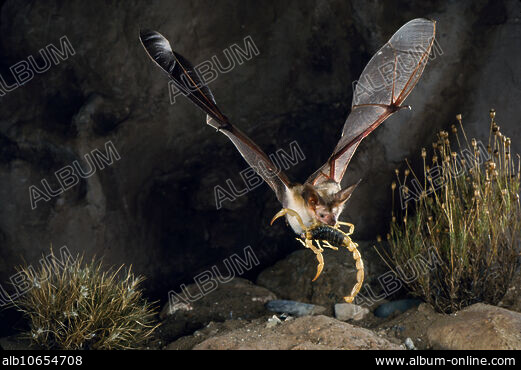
(76, 305)
(466, 210)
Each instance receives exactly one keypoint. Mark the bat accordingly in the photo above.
(386, 81)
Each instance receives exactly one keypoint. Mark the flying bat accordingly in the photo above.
(386, 81)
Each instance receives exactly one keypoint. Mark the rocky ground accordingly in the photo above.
(479, 326)
(285, 310)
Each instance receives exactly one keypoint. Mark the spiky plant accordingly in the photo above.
(77, 305)
(466, 211)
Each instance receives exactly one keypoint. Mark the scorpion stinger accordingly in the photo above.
(330, 237)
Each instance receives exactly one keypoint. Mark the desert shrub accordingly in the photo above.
(464, 213)
(77, 305)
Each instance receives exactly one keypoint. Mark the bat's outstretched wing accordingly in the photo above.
(386, 81)
(191, 85)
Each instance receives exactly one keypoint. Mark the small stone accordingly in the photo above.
(349, 311)
(273, 321)
(294, 308)
(409, 344)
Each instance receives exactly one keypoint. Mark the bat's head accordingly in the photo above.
(326, 201)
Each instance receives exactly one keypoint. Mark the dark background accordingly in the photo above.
(155, 208)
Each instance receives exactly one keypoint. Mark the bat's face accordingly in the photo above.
(328, 213)
(322, 203)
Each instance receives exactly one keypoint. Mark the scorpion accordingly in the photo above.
(329, 237)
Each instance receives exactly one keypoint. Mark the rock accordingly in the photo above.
(401, 305)
(294, 308)
(480, 326)
(350, 311)
(273, 321)
(413, 324)
(309, 332)
(409, 344)
(238, 299)
(210, 330)
(291, 278)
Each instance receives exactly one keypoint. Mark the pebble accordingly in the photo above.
(273, 321)
(349, 311)
(294, 308)
(409, 344)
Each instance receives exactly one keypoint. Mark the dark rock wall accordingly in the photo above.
(155, 207)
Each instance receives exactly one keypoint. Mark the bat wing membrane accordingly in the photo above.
(385, 82)
(255, 157)
(187, 80)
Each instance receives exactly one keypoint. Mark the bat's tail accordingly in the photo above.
(183, 74)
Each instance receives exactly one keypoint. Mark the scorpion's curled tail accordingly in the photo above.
(351, 246)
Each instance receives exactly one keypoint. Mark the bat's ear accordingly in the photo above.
(343, 195)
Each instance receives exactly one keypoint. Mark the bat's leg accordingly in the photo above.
(351, 226)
